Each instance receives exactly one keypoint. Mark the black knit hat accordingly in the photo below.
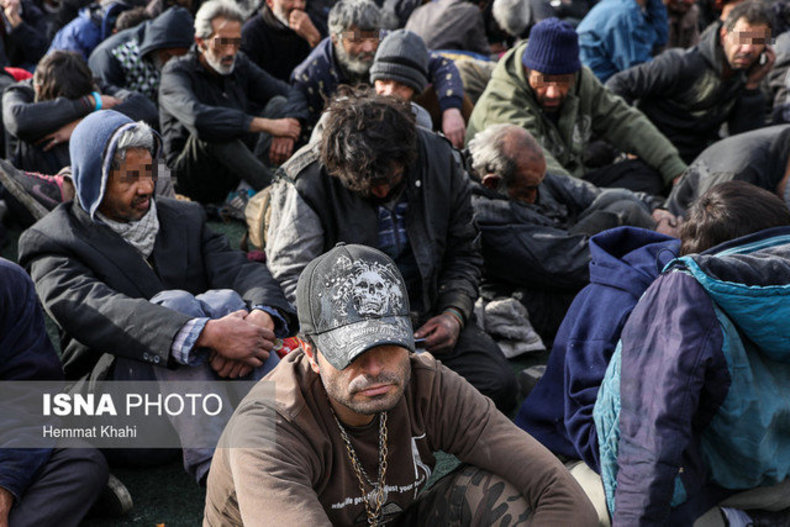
(402, 56)
(553, 48)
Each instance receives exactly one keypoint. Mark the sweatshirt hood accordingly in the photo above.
(92, 148)
(172, 29)
(630, 258)
(749, 280)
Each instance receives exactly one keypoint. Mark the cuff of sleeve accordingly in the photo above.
(450, 101)
(671, 169)
(280, 324)
(182, 349)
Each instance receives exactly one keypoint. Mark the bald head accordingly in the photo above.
(509, 160)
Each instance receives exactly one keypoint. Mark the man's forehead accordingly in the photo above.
(539, 77)
(225, 25)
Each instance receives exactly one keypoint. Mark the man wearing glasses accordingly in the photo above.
(140, 287)
(223, 118)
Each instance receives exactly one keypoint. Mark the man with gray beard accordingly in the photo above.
(345, 57)
(222, 117)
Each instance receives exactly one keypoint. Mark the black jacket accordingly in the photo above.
(274, 47)
(683, 93)
(194, 100)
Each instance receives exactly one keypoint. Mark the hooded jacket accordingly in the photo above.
(694, 402)
(683, 93)
(558, 411)
(125, 59)
(589, 111)
(92, 25)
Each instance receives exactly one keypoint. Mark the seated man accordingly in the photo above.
(450, 24)
(618, 34)
(24, 38)
(102, 262)
(346, 56)
(210, 102)
(38, 486)
(40, 113)
(536, 226)
(134, 58)
(760, 157)
(354, 396)
(377, 179)
(690, 94)
(280, 36)
(543, 87)
(694, 403)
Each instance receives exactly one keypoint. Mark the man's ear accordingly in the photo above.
(722, 33)
(201, 44)
(333, 37)
(310, 352)
(491, 181)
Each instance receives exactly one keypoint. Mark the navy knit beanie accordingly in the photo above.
(553, 48)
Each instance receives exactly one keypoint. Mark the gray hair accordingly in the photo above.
(511, 15)
(213, 9)
(364, 14)
(140, 136)
(494, 151)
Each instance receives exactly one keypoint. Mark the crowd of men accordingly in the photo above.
(432, 189)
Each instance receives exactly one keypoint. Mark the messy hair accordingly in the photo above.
(62, 74)
(364, 14)
(212, 9)
(365, 136)
(754, 12)
(728, 211)
(494, 151)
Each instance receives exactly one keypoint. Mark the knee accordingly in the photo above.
(217, 303)
(89, 468)
(180, 301)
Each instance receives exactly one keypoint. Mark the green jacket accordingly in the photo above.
(589, 110)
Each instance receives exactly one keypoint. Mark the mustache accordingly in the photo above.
(363, 382)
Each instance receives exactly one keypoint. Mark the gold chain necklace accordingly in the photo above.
(372, 505)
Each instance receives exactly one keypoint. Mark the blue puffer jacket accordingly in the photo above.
(558, 411)
(92, 25)
(696, 398)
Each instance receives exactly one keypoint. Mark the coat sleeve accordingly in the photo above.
(107, 68)
(446, 81)
(670, 344)
(208, 123)
(31, 121)
(659, 77)
(295, 236)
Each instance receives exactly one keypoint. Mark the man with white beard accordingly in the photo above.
(223, 118)
(345, 57)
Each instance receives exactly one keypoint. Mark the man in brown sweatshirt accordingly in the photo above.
(344, 432)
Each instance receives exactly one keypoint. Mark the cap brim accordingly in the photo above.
(342, 345)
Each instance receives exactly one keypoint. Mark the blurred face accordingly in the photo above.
(550, 90)
(384, 188)
(744, 43)
(130, 187)
(529, 175)
(161, 56)
(282, 8)
(355, 49)
(393, 88)
(372, 383)
(219, 50)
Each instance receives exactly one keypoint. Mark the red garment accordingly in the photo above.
(19, 74)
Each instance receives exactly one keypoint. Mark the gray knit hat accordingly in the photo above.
(402, 56)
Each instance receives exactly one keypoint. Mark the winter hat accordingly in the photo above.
(553, 48)
(402, 56)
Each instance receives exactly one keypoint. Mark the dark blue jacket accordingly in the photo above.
(26, 353)
(93, 24)
(558, 412)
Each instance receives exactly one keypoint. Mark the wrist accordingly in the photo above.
(97, 103)
(456, 315)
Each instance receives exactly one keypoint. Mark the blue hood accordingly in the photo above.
(92, 147)
(630, 258)
(749, 279)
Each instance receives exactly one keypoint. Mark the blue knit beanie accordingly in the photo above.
(553, 48)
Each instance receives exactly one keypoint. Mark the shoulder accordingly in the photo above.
(307, 157)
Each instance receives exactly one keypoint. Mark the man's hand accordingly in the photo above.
(281, 150)
(758, 71)
(61, 135)
(453, 126)
(301, 24)
(6, 502)
(260, 318)
(286, 127)
(235, 338)
(440, 332)
(667, 223)
(228, 369)
(11, 12)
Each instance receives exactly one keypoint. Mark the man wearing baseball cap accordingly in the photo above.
(344, 431)
(542, 86)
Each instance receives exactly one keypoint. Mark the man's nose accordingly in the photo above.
(369, 45)
(552, 91)
(145, 185)
(372, 363)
